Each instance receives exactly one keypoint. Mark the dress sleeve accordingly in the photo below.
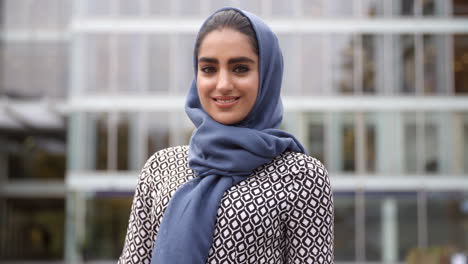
(140, 236)
(310, 221)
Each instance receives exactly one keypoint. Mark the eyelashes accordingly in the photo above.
(239, 69)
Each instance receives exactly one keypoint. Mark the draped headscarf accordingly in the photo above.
(223, 155)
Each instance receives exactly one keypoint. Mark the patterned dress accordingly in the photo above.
(282, 213)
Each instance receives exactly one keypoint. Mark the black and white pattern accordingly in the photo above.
(282, 213)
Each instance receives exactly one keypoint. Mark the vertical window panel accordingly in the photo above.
(460, 63)
(405, 67)
(316, 136)
(99, 8)
(404, 7)
(460, 7)
(431, 147)
(342, 54)
(251, 6)
(158, 132)
(280, 8)
(344, 226)
(433, 64)
(465, 144)
(339, 8)
(370, 142)
(447, 216)
(160, 63)
(124, 140)
(100, 142)
(188, 8)
(411, 143)
(291, 76)
(183, 63)
(372, 8)
(312, 8)
(106, 225)
(348, 143)
(312, 68)
(128, 63)
(32, 229)
(370, 60)
(129, 8)
(159, 7)
(97, 63)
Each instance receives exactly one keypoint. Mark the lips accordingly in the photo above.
(225, 99)
(225, 102)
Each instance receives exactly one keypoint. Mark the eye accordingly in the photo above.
(241, 68)
(208, 69)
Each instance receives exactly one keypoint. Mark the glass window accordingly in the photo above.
(434, 71)
(32, 229)
(371, 62)
(291, 77)
(106, 225)
(460, 7)
(348, 143)
(129, 63)
(372, 8)
(158, 132)
(411, 143)
(370, 142)
(280, 8)
(100, 140)
(344, 226)
(188, 8)
(9, 14)
(130, 8)
(431, 144)
(183, 75)
(159, 7)
(339, 8)
(465, 144)
(391, 225)
(97, 62)
(405, 66)
(312, 68)
(312, 8)
(460, 64)
(342, 58)
(124, 140)
(251, 6)
(39, 156)
(404, 7)
(160, 63)
(33, 70)
(447, 215)
(100, 8)
(316, 133)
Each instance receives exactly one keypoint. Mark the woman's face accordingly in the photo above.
(227, 76)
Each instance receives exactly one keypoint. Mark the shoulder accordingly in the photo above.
(169, 159)
(293, 162)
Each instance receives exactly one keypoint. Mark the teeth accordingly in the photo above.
(226, 101)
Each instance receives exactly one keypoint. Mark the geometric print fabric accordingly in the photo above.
(282, 213)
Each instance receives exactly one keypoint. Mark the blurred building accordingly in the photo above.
(376, 89)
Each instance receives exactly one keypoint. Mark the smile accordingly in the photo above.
(226, 100)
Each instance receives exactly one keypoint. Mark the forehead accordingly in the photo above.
(226, 42)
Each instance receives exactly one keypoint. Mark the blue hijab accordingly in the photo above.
(222, 156)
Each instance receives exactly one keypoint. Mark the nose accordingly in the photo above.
(224, 83)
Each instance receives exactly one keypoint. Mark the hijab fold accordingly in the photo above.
(223, 155)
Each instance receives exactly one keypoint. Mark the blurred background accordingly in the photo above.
(376, 89)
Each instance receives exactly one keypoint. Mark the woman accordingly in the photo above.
(243, 191)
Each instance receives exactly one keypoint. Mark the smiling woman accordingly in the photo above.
(243, 191)
(227, 76)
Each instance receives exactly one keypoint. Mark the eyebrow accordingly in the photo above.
(230, 61)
